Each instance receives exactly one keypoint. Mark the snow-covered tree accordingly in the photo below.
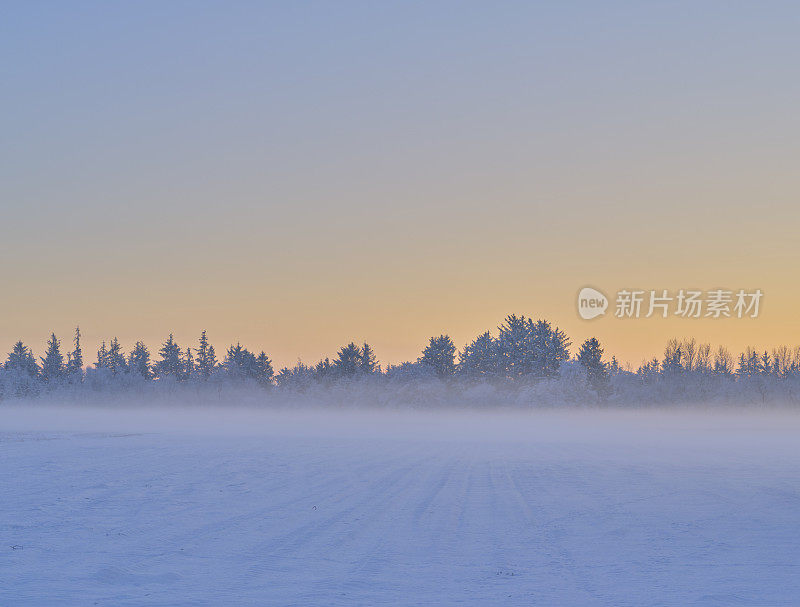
(367, 362)
(21, 359)
(206, 358)
(75, 357)
(749, 363)
(765, 364)
(348, 361)
(591, 358)
(648, 371)
(102, 357)
(513, 347)
(171, 363)
(439, 355)
(530, 349)
(323, 368)
(263, 368)
(240, 363)
(479, 358)
(115, 358)
(189, 370)
(298, 378)
(53, 368)
(723, 362)
(549, 348)
(20, 373)
(139, 361)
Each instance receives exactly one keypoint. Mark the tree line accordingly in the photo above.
(522, 350)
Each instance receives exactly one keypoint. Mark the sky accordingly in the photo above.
(298, 175)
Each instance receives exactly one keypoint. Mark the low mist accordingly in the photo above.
(764, 431)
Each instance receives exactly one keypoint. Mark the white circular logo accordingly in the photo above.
(591, 303)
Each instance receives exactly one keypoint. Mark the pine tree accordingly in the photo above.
(754, 362)
(439, 355)
(102, 357)
(115, 358)
(591, 358)
(171, 363)
(479, 359)
(530, 349)
(648, 371)
(743, 368)
(264, 369)
(513, 347)
(765, 364)
(53, 362)
(348, 361)
(367, 362)
(139, 361)
(21, 359)
(188, 365)
(548, 348)
(723, 362)
(234, 362)
(323, 368)
(240, 363)
(212, 363)
(749, 363)
(206, 358)
(75, 358)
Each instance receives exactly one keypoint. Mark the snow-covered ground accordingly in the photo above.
(344, 508)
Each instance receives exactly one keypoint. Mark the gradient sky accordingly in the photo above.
(296, 175)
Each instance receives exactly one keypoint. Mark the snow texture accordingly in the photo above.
(237, 507)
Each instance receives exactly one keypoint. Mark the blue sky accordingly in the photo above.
(296, 175)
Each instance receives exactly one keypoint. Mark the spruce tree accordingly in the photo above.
(765, 364)
(102, 357)
(188, 365)
(323, 368)
(548, 348)
(53, 362)
(171, 363)
(743, 368)
(591, 358)
(368, 363)
(139, 361)
(514, 354)
(440, 355)
(723, 362)
(348, 361)
(206, 358)
(479, 358)
(211, 360)
(75, 357)
(264, 369)
(21, 359)
(115, 358)
(240, 363)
